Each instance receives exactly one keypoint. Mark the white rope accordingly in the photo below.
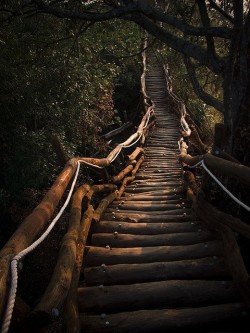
(134, 142)
(94, 165)
(224, 188)
(146, 124)
(116, 155)
(20, 255)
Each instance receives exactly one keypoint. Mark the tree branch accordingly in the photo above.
(208, 99)
(117, 12)
(213, 5)
(206, 23)
(157, 15)
(179, 44)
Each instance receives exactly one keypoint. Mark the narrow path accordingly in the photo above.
(152, 266)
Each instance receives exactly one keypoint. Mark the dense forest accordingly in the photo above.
(70, 73)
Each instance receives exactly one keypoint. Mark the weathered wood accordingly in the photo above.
(117, 239)
(103, 205)
(155, 294)
(236, 264)
(33, 224)
(122, 174)
(125, 181)
(148, 213)
(204, 268)
(145, 228)
(59, 285)
(214, 217)
(190, 179)
(137, 218)
(138, 206)
(156, 189)
(172, 320)
(99, 255)
(138, 164)
(227, 168)
(217, 164)
(135, 153)
(71, 315)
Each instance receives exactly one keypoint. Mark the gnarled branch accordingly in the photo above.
(208, 99)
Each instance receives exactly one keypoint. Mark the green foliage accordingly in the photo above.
(55, 80)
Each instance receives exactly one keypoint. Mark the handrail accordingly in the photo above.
(39, 217)
(221, 222)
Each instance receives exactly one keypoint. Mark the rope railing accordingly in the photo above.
(225, 224)
(23, 240)
(185, 158)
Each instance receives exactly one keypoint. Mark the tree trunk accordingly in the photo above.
(237, 117)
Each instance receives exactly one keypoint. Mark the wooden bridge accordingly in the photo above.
(152, 255)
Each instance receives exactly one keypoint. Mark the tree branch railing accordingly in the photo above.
(61, 290)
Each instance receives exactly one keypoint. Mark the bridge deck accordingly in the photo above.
(152, 266)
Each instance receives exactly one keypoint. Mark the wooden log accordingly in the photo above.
(156, 189)
(122, 174)
(145, 228)
(190, 179)
(169, 320)
(103, 205)
(57, 290)
(152, 198)
(117, 239)
(125, 181)
(147, 214)
(227, 168)
(138, 164)
(138, 206)
(215, 218)
(233, 256)
(222, 154)
(135, 153)
(33, 225)
(147, 130)
(236, 264)
(190, 160)
(138, 218)
(153, 295)
(204, 268)
(104, 188)
(98, 255)
(71, 315)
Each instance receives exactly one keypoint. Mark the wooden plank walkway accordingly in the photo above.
(152, 266)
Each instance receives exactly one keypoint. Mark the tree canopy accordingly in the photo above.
(66, 65)
(213, 35)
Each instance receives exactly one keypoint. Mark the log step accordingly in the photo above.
(97, 256)
(118, 239)
(150, 265)
(203, 268)
(230, 316)
(155, 294)
(145, 228)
